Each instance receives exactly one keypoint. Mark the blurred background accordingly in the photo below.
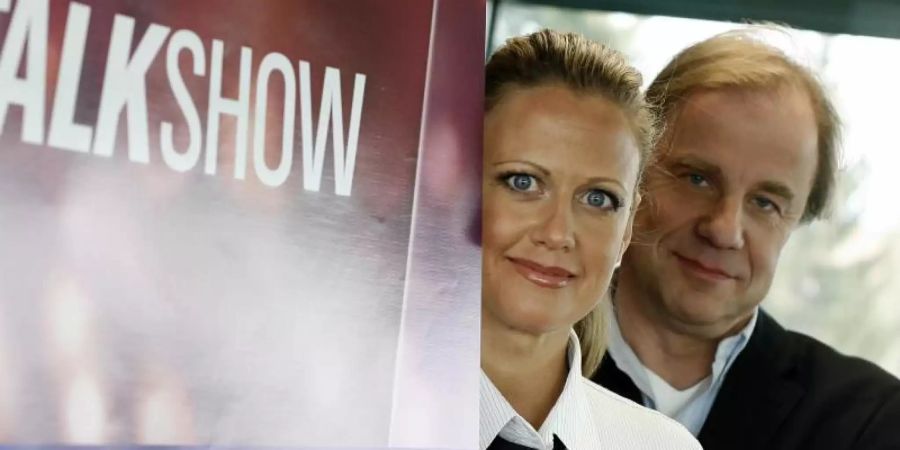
(837, 279)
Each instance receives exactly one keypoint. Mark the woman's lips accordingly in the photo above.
(543, 276)
(696, 268)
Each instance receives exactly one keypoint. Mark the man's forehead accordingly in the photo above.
(762, 135)
(708, 103)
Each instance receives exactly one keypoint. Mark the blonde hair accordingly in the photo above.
(740, 59)
(585, 66)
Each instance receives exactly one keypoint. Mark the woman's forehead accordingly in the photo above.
(563, 133)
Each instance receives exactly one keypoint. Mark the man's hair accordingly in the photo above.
(550, 57)
(740, 59)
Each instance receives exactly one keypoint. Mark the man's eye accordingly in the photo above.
(600, 199)
(697, 180)
(765, 204)
(521, 182)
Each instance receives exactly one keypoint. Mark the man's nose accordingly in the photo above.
(722, 226)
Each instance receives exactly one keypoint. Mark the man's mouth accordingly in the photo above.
(702, 270)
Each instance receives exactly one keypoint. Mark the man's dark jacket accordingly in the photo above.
(789, 391)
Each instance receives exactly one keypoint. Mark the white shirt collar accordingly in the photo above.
(570, 418)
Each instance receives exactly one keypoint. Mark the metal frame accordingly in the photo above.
(861, 17)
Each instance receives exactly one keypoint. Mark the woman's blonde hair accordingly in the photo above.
(585, 66)
(740, 59)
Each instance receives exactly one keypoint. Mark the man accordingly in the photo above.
(747, 155)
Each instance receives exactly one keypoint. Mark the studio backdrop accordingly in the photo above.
(240, 223)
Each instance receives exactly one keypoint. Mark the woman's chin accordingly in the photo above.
(533, 322)
(530, 310)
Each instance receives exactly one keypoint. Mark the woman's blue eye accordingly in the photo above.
(600, 199)
(521, 182)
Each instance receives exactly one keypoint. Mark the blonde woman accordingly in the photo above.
(566, 136)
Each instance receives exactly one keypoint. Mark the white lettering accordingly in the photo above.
(28, 26)
(124, 91)
(239, 108)
(64, 132)
(271, 63)
(125, 86)
(182, 162)
(330, 111)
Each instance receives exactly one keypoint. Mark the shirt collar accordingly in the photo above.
(730, 347)
(628, 362)
(570, 417)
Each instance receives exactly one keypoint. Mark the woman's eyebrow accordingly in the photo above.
(614, 181)
(544, 171)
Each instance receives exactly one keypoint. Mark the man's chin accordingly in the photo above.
(701, 314)
(708, 323)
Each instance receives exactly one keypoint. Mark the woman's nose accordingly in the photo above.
(556, 229)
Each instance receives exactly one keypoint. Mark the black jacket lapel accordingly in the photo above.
(610, 377)
(757, 395)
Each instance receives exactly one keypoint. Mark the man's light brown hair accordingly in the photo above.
(740, 59)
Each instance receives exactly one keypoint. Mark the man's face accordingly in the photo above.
(735, 170)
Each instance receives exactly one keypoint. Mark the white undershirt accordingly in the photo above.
(671, 401)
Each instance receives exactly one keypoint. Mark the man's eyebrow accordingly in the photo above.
(689, 162)
(778, 189)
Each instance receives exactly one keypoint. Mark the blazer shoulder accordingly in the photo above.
(803, 359)
(880, 431)
(816, 359)
(634, 426)
(858, 388)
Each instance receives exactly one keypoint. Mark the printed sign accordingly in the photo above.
(240, 223)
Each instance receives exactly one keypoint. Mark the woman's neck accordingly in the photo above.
(530, 371)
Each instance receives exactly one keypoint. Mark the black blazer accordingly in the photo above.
(789, 391)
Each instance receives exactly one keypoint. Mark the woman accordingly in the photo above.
(567, 134)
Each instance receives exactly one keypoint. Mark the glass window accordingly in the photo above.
(836, 278)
